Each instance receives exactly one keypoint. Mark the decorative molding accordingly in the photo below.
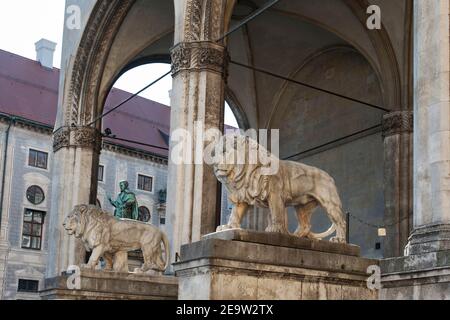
(79, 137)
(204, 20)
(61, 138)
(398, 122)
(85, 75)
(198, 56)
(193, 20)
(136, 153)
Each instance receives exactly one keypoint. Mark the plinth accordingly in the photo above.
(105, 285)
(241, 264)
(423, 276)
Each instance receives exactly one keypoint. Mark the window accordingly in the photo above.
(145, 183)
(101, 169)
(35, 195)
(28, 285)
(32, 229)
(144, 214)
(162, 219)
(37, 159)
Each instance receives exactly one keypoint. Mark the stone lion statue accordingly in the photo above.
(293, 184)
(111, 238)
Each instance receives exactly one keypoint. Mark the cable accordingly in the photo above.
(248, 19)
(129, 98)
(334, 141)
(377, 226)
(135, 142)
(239, 25)
(308, 85)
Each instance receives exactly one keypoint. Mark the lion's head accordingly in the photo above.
(75, 222)
(237, 164)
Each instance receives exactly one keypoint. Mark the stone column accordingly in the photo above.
(199, 73)
(74, 179)
(398, 197)
(432, 128)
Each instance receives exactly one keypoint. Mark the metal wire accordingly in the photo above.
(248, 19)
(376, 225)
(239, 25)
(135, 142)
(129, 98)
(334, 141)
(309, 86)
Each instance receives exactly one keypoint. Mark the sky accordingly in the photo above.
(24, 22)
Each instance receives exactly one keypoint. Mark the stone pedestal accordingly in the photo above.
(100, 285)
(423, 276)
(241, 264)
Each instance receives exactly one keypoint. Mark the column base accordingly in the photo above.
(104, 285)
(242, 264)
(423, 276)
(429, 238)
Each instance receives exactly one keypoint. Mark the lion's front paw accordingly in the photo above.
(87, 266)
(278, 228)
(226, 227)
(337, 240)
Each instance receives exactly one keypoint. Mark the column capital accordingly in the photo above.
(79, 137)
(397, 122)
(199, 56)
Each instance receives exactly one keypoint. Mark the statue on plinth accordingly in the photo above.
(126, 205)
(249, 181)
(112, 238)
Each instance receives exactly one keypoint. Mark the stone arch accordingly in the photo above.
(104, 21)
(279, 107)
(237, 109)
(391, 79)
(337, 58)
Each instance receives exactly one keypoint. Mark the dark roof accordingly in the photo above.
(30, 91)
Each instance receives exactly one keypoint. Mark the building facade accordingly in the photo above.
(368, 102)
(26, 116)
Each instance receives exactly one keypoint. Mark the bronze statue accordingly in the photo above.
(126, 204)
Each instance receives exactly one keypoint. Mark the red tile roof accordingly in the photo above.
(30, 91)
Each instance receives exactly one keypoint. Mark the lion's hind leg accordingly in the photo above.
(152, 258)
(108, 258)
(304, 213)
(278, 215)
(337, 217)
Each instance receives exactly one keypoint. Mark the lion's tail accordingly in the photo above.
(325, 234)
(165, 241)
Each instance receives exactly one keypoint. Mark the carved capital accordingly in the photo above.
(80, 137)
(198, 56)
(397, 122)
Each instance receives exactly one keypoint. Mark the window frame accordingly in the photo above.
(103, 173)
(149, 212)
(162, 216)
(37, 150)
(146, 176)
(28, 281)
(43, 194)
(30, 234)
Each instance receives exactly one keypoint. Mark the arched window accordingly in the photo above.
(35, 195)
(144, 214)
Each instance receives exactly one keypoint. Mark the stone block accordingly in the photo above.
(234, 265)
(101, 285)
